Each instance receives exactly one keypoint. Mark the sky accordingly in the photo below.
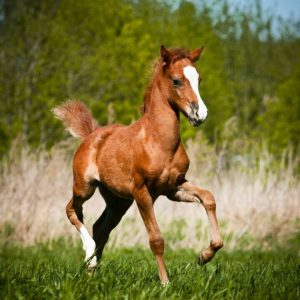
(283, 8)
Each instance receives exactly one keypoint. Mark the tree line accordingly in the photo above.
(102, 52)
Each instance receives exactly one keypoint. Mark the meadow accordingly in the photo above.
(55, 271)
(41, 256)
(246, 153)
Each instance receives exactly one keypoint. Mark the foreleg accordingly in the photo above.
(188, 192)
(145, 205)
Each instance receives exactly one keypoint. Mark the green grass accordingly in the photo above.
(55, 271)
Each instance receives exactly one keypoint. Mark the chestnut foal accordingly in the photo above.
(140, 161)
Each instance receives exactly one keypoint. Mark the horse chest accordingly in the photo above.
(168, 172)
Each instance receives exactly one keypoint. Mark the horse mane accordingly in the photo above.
(176, 54)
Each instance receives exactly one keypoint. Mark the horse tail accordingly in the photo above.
(76, 117)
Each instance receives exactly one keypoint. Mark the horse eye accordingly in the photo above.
(177, 82)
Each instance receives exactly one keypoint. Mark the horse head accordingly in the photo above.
(183, 82)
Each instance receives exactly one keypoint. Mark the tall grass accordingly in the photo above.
(48, 271)
(255, 203)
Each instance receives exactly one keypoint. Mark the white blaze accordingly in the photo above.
(192, 75)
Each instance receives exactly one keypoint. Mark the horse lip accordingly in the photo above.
(196, 121)
(193, 117)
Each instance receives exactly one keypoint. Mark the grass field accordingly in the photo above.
(258, 211)
(55, 271)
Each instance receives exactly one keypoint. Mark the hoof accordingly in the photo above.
(203, 259)
(164, 284)
(91, 263)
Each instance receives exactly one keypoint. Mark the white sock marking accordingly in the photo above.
(89, 246)
(192, 75)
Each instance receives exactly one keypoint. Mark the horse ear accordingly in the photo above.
(195, 54)
(165, 55)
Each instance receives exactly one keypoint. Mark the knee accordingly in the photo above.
(157, 245)
(208, 200)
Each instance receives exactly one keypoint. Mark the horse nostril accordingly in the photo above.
(194, 106)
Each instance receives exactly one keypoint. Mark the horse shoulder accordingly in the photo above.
(149, 158)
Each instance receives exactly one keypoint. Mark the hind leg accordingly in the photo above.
(115, 209)
(82, 191)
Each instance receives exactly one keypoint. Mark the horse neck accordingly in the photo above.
(163, 118)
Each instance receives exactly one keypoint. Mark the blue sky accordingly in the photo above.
(284, 8)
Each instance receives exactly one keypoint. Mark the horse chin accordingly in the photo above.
(195, 122)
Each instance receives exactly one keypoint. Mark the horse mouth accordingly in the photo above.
(193, 115)
(195, 121)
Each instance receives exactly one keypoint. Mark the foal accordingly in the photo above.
(140, 161)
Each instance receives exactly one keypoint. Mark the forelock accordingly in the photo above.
(178, 54)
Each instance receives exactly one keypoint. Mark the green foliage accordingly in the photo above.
(55, 271)
(102, 53)
(284, 110)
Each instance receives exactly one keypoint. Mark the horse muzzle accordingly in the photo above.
(197, 116)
